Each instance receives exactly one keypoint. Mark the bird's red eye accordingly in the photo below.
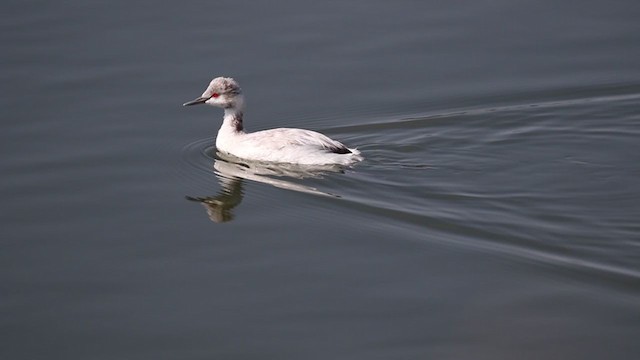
(215, 95)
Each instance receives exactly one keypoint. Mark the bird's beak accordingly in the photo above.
(197, 101)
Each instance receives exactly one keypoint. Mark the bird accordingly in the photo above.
(281, 145)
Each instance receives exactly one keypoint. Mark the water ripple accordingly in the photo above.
(519, 181)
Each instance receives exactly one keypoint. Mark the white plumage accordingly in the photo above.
(283, 145)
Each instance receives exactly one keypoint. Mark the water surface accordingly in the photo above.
(495, 215)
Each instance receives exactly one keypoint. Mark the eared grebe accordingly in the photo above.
(283, 145)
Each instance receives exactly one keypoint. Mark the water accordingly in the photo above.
(495, 216)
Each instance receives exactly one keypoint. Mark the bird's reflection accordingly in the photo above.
(231, 172)
(219, 206)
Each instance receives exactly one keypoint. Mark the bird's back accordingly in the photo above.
(291, 145)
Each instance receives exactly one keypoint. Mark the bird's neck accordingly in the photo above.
(232, 121)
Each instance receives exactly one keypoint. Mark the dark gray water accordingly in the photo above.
(496, 215)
